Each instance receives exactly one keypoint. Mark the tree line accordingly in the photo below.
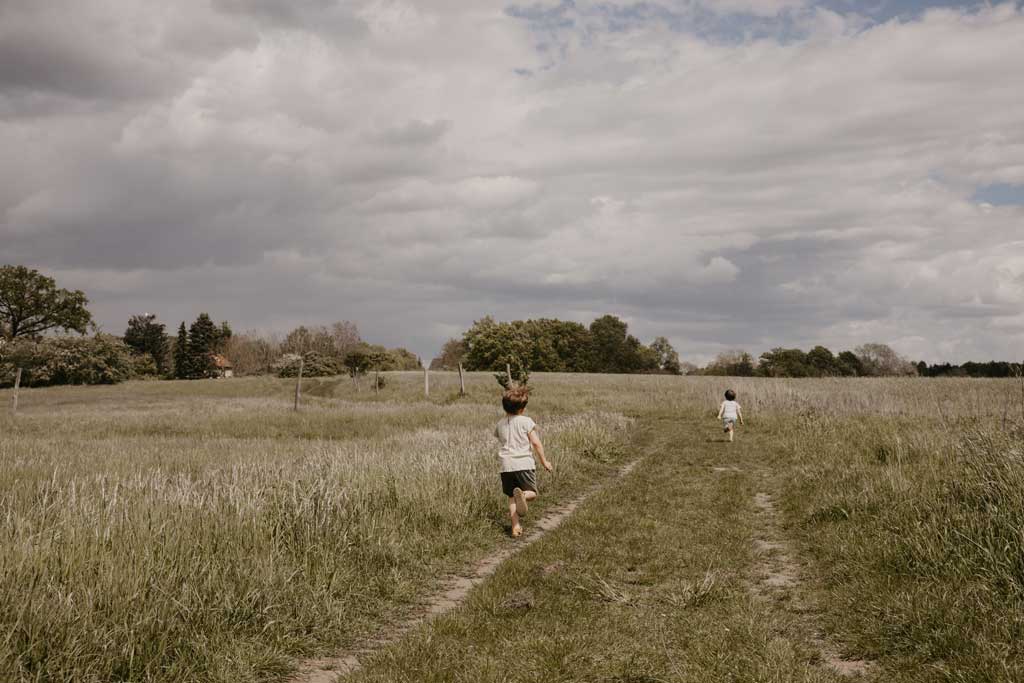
(867, 360)
(32, 307)
(551, 345)
(992, 368)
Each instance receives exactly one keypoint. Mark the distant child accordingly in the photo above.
(519, 441)
(729, 412)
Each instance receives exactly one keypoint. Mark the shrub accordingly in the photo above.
(101, 359)
(314, 365)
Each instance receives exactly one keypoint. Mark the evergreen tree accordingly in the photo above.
(145, 336)
(182, 364)
(223, 337)
(203, 338)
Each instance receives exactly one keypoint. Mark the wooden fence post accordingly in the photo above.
(426, 381)
(376, 381)
(508, 371)
(462, 382)
(17, 385)
(1020, 374)
(298, 384)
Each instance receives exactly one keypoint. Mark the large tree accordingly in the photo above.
(31, 303)
(780, 362)
(880, 360)
(452, 354)
(609, 345)
(668, 358)
(203, 342)
(733, 363)
(145, 336)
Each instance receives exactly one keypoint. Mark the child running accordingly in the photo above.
(729, 412)
(519, 441)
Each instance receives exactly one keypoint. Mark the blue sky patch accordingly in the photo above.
(700, 19)
(1000, 194)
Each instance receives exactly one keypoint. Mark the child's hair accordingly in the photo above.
(515, 398)
(730, 395)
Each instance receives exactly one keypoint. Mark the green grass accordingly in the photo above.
(649, 581)
(220, 536)
(917, 532)
(170, 531)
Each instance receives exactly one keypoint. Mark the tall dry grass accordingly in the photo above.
(916, 523)
(167, 531)
(194, 532)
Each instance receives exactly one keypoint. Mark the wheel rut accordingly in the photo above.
(453, 591)
(778, 575)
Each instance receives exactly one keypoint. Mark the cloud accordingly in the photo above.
(747, 174)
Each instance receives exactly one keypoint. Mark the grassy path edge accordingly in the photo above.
(453, 591)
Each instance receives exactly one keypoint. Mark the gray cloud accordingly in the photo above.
(415, 166)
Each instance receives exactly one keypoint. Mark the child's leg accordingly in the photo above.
(513, 514)
(732, 428)
(529, 495)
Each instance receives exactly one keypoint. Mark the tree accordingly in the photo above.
(402, 359)
(222, 337)
(31, 304)
(668, 359)
(491, 345)
(203, 337)
(452, 354)
(734, 363)
(824, 363)
(146, 337)
(880, 360)
(344, 337)
(609, 351)
(101, 359)
(359, 360)
(781, 362)
(849, 364)
(251, 353)
(313, 365)
(182, 355)
(335, 341)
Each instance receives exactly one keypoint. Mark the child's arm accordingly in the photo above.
(721, 408)
(739, 413)
(538, 448)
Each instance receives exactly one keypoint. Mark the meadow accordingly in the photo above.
(173, 531)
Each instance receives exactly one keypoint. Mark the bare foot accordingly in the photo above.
(521, 506)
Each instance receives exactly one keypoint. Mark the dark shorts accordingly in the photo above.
(524, 479)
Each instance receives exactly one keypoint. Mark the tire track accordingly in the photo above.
(453, 592)
(778, 572)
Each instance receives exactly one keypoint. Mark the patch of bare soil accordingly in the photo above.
(779, 576)
(453, 592)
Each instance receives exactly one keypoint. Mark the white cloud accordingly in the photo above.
(431, 158)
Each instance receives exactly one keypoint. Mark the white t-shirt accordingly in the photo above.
(513, 432)
(730, 410)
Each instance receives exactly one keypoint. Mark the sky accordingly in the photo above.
(729, 174)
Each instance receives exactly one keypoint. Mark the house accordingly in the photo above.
(222, 366)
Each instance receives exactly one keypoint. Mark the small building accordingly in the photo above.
(223, 366)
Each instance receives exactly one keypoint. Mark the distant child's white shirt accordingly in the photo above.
(516, 453)
(730, 410)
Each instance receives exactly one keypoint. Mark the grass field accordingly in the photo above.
(204, 531)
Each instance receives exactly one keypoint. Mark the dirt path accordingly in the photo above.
(779, 577)
(453, 592)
